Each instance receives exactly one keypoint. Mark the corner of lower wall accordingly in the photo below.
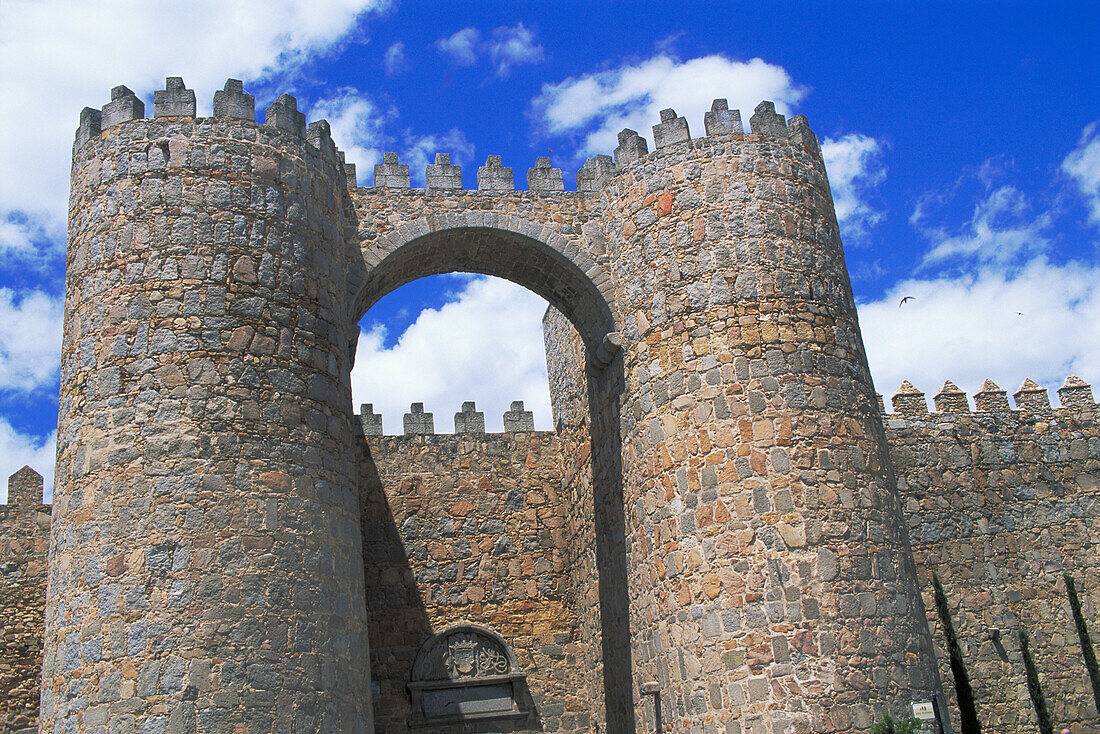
(24, 540)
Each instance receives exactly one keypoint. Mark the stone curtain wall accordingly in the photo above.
(473, 527)
(1001, 503)
(24, 539)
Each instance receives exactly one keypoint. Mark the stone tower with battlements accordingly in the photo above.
(227, 546)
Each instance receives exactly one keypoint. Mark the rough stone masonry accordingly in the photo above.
(724, 510)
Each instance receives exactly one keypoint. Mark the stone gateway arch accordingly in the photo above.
(230, 552)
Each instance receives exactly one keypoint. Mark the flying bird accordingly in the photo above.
(907, 298)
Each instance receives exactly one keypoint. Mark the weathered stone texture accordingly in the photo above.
(472, 528)
(1000, 504)
(564, 352)
(24, 539)
(205, 548)
(770, 577)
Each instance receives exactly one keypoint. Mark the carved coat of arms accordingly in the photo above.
(463, 653)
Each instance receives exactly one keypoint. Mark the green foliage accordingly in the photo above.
(888, 726)
(1086, 641)
(1034, 689)
(964, 694)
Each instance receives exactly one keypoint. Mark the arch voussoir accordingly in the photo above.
(523, 250)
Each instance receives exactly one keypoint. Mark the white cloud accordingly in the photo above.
(394, 59)
(1083, 166)
(484, 346)
(35, 239)
(1001, 228)
(512, 46)
(359, 127)
(597, 106)
(1042, 322)
(461, 47)
(854, 163)
(30, 340)
(420, 150)
(509, 46)
(18, 450)
(62, 55)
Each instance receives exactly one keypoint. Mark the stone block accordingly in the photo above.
(371, 421)
(350, 175)
(950, 399)
(319, 135)
(517, 419)
(174, 100)
(766, 121)
(417, 422)
(544, 178)
(25, 487)
(721, 120)
(389, 174)
(596, 170)
(493, 176)
(469, 419)
(909, 401)
(631, 147)
(990, 398)
(441, 175)
(123, 107)
(90, 126)
(1076, 393)
(231, 102)
(670, 130)
(1031, 396)
(283, 113)
(799, 129)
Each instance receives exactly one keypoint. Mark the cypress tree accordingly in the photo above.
(968, 713)
(1034, 689)
(1086, 641)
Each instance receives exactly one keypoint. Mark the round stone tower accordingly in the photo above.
(772, 585)
(206, 565)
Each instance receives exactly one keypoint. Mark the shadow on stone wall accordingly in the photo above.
(397, 618)
(604, 391)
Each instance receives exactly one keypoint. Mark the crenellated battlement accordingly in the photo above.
(176, 102)
(1075, 394)
(469, 419)
(232, 103)
(443, 176)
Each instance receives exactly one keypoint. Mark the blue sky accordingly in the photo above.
(961, 139)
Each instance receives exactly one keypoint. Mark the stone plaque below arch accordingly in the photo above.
(467, 673)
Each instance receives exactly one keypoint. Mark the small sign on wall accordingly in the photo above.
(924, 710)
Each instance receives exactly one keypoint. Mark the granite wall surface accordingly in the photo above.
(205, 549)
(496, 529)
(772, 587)
(24, 539)
(473, 527)
(1000, 504)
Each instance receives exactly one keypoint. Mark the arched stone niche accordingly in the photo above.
(467, 673)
